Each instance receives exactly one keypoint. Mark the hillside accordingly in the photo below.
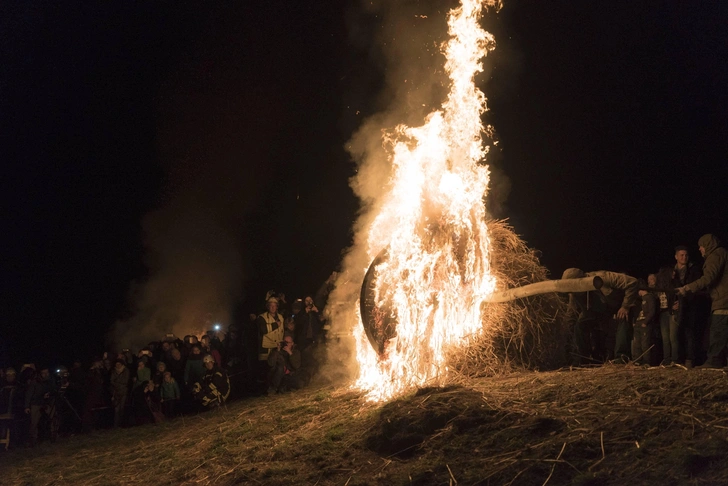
(612, 425)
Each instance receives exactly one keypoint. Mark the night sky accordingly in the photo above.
(198, 139)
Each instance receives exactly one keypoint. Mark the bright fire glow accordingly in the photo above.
(433, 220)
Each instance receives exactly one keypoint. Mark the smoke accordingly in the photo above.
(212, 135)
(403, 40)
(195, 270)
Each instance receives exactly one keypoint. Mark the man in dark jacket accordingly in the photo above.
(308, 324)
(715, 279)
(285, 363)
(590, 313)
(119, 384)
(690, 332)
(37, 397)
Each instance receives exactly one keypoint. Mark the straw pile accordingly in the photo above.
(526, 333)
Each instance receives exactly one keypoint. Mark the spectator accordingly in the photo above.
(666, 318)
(140, 400)
(233, 352)
(308, 324)
(143, 373)
(145, 354)
(119, 385)
(284, 363)
(270, 332)
(206, 347)
(190, 340)
(282, 304)
(176, 366)
(166, 354)
(715, 279)
(95, 394)
(169, 395)
(297, 307)
(644, 326)
(690, 332)
(591, 311)
(194, 369)
(214, 388)
(37, 398)
(289, 327)
(158, 377)
(10, 378)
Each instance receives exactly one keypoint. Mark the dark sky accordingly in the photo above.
(124, 126)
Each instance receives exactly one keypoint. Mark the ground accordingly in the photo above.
(612, 425)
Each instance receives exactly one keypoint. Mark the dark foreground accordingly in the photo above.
(612, 425)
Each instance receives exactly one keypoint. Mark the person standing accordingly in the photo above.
(119, 384)
(270, 334)
(714, 279)
(36, 399)
(308, 324)
(644, 327)
(689, 331)
(590, 313)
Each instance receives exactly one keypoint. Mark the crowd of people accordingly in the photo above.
(276, 351)
(676, 316)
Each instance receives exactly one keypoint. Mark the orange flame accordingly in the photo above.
(433, 219)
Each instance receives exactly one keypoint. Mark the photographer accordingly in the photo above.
(284, 363)
(308, 324)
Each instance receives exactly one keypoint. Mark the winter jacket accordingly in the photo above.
(270, 333)
(36, 392)
(648, 310)
(194, 369)
(308, 327)
(169, 390)
(119, 384)
(618, 290)
(142, 375)
(715, 274)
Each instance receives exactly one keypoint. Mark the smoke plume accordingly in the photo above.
(211, 137)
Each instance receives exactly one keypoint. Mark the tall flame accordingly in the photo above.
(433, 220)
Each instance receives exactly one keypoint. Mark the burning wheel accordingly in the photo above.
(379, 325)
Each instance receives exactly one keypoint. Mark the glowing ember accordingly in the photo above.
(433, 220)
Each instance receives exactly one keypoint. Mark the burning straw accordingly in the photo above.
(525, 333)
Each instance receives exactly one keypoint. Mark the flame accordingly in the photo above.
(433, 219)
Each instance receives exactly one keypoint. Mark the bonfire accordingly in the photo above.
(437, 255)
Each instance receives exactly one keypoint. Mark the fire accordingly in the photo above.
(433, 220)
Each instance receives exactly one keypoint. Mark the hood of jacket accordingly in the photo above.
(709, 242)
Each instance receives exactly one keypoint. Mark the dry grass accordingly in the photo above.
(522, 334)
(602, 426)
